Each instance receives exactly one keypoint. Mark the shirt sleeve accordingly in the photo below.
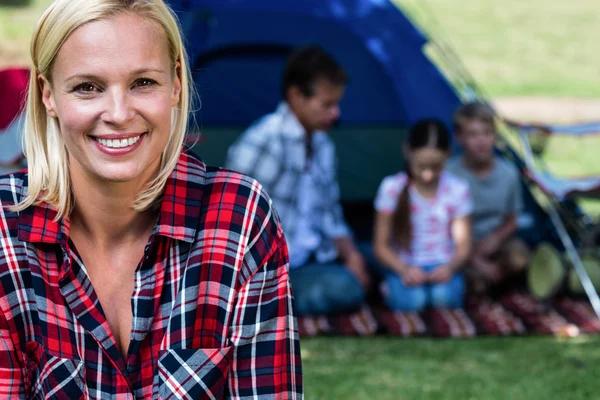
(388, 193)
(12, 383)
(334, 223)
(266, 363)
(258, 154)
(515, 205)
(464, 201)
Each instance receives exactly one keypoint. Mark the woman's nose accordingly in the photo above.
(118, 110)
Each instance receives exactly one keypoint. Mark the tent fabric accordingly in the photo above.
(576, 129)
(561, 188)
(238, 49)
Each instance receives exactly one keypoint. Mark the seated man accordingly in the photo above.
(291, 155)
(496, 191)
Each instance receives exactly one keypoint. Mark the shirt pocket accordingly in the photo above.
(193, 373)
(51, 377)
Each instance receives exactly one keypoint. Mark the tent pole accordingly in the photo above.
(573, 255)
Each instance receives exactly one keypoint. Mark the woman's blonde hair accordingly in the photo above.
(47, 156)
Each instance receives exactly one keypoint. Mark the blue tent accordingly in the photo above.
(238, 48)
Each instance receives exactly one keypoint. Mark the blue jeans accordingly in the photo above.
(325, 289)
(400, 297)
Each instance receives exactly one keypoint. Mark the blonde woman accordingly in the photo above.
(129, 269)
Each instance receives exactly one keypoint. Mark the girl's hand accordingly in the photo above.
(441, 274)
(414, 276)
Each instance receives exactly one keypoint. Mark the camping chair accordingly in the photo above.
(574, 229)
(13, 89)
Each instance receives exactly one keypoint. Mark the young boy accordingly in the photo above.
(498, 254)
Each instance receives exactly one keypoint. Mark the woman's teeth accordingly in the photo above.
(118, 143)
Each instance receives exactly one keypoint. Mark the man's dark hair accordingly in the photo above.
(309, 64)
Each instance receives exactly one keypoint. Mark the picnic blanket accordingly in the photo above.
(513, 313)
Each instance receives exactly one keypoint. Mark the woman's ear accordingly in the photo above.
(47, 97)
(176, 95)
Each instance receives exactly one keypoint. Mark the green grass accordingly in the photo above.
(481, 369)
(16, 26)
(516, 47)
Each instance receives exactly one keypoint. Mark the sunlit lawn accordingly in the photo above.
(532, 368)
(523, 48)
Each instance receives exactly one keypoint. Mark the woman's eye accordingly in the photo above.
(85, 88)
(145, 82)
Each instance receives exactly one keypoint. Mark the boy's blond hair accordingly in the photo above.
(476, 110)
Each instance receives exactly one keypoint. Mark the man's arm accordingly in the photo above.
(492, 242)
(258, 154)
(353, 259)
(507, 229)
(334, 223)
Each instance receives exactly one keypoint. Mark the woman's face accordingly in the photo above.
(112, 90)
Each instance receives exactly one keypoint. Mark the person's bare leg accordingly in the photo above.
(490, 271)
(514, 256)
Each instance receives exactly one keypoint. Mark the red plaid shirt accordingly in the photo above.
(212, 305)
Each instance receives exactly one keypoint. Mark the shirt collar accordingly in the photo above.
(293, 127)
(37, 225)
(179, 209)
